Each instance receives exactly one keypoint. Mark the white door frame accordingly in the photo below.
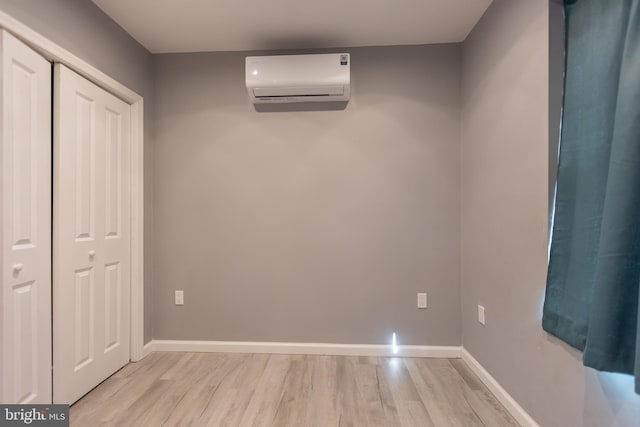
(55, 53)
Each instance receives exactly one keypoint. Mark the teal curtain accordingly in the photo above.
(592, 293)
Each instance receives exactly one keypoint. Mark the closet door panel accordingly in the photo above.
(91, 268)
(25, 155)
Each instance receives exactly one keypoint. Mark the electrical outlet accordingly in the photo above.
(422, 300)
(481, 318)
(179, 297)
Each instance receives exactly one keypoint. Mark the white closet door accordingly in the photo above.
(25, 209)
(91, 235)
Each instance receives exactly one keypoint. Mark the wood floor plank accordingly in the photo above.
(200, 389)
(144, 407)
(386, 396)
(178, 369)
(213, 368)
(376, 398)
(296, 393)
(442, 392)
(323, 411)
(192, 370)
(483, 402)
(408, 402)
(488, 409)
(228, 403)
(467, 374)
(350, 402)
(265, 401)
(118, 399)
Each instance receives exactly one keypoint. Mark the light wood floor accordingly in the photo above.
(200, 389)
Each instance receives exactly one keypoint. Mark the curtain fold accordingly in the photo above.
(592, 294)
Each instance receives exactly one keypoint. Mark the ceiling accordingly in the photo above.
(227, 25)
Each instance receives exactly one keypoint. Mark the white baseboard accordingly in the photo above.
(448, 352)
(510, 404)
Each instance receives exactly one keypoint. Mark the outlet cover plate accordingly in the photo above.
(179, 298)
(422, 300)
(481, 318)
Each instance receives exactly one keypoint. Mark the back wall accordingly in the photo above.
(309, 226)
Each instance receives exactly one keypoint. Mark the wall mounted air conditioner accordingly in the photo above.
(298, 78)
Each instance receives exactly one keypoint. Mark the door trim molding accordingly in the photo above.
(55, 53)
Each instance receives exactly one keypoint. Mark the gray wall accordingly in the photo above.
(309, 226)
(84, 30)
(505, 197)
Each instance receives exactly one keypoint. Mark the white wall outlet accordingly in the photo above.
(422, 300)
(481, 318)
(179, 297)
